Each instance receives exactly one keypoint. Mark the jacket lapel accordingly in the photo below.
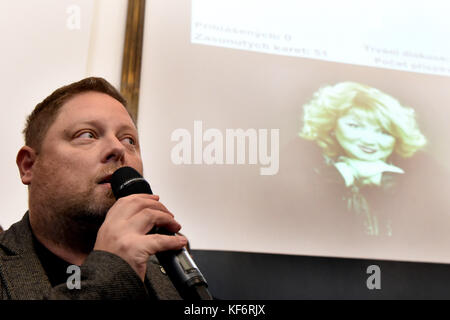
(21, 270)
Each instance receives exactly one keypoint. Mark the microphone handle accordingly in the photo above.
(183, 272)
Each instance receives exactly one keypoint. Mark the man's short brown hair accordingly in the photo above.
(44, 114)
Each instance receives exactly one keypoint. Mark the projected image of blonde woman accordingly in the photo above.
(359, 130)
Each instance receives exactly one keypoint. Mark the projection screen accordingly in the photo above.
(297, 127)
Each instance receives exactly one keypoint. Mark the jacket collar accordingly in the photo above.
(21, 270)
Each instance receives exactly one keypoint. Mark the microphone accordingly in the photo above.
(179, 265)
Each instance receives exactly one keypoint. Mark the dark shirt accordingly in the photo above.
(54, 266)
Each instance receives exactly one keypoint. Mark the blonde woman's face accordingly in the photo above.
(362, 139)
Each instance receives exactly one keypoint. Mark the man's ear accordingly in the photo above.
(26, 157)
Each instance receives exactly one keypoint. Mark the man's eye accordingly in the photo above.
(86, 135)
(130, 140)
(353, 125)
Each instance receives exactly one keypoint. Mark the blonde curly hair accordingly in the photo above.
(329, 103)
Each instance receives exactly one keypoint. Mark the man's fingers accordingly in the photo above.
(159, 243)
(146, 219)
(128, 206)
(126, 227)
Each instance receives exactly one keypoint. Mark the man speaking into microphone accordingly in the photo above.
(75, 140)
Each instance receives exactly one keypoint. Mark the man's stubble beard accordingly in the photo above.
(67, 215)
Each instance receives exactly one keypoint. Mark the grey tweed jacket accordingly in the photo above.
(103, 274)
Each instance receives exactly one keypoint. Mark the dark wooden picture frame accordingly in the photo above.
(132, 55)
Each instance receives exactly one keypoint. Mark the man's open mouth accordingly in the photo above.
(106, 179)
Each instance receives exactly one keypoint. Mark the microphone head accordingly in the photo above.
(126, 181)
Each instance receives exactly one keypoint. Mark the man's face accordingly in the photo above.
(92, 136)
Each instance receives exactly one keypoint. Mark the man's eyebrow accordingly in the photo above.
(99, 124)
(125, 127)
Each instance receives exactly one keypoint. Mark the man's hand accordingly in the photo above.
(124, 231)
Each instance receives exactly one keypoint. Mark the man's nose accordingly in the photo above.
(114, 151)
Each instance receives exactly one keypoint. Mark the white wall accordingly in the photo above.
(47, 44)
